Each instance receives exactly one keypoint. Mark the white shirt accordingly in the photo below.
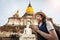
(49, 25)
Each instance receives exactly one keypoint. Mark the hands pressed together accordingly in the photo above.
(35, 25)
(35, 28)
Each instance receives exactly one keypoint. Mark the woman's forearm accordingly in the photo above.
(45, 35)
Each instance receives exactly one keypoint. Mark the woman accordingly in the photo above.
(45, 28)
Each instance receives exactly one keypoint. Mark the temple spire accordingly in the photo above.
(29, 4)
(29, 9)
(17, 13)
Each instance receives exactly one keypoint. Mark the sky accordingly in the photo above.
(8, 8)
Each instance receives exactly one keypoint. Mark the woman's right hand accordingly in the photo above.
(35, 28)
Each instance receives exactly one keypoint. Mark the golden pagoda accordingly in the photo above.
(15, 20)
(20, 22)
(30, 10)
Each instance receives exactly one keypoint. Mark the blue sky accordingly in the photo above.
(50, 7)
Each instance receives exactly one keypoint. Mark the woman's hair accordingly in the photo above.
(42, 15)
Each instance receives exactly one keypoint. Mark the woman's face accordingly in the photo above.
(39, 18)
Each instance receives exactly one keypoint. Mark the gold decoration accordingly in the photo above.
(17, 12)
(30, 10)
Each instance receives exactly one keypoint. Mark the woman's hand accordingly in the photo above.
(35, 28)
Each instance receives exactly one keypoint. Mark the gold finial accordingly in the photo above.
(17, 12)
(30, 10)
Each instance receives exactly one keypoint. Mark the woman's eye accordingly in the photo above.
(37, 16)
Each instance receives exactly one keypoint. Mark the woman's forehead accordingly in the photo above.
(37, 15)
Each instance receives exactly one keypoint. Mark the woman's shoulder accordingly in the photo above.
(49, 25)
(48, 21)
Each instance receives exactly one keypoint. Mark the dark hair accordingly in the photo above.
(42, 15)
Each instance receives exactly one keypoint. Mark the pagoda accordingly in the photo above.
(16, 23)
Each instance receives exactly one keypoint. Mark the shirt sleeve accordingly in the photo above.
(49, 26)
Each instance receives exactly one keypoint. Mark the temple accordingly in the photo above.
(19, 27)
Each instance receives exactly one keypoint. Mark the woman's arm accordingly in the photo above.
(51, 36)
